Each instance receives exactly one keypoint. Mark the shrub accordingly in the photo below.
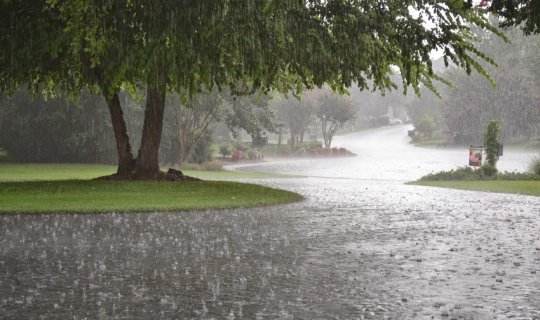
(461, 173)
(534, 166)
(426, 124)
(225, 149)
(491, 143)
(240, 147)
(212, 166)
(488, 170)
(238, 155)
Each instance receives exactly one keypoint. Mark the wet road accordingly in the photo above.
(361, 246)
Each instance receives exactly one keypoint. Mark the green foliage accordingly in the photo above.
(225, 149)
(238, 146)
(472, 102)
(426, 125)
(488, 170)
(295, 115)
(34, 130)
(251, 113)
(202, 150)
(461, 173)
(491, 143)
(534, 166)
(332, 111)
(523, 13)
(283, 44)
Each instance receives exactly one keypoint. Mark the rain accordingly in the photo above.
(365, 239)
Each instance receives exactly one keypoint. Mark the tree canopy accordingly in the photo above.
(524, 13)
(190, 46)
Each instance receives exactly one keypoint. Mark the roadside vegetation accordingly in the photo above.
(466, 178)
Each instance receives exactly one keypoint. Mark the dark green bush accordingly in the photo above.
(488, 170)
(468, 174)
(225, 149)
(534, 166)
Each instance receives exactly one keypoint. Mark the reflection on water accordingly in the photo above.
(355, 249)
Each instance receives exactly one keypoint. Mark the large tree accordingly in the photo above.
(186, 46)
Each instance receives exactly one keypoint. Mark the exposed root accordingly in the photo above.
(171, 175)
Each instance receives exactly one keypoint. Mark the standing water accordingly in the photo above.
(361, 246)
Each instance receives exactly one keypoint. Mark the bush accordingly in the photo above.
(484, 173)
(461, 173)
(426, 125)
(534, 166)
(240, 147)
(491, 142)
(225, 149)
(488, 170)
(212, 166)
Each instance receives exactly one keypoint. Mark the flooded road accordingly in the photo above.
(361, 246)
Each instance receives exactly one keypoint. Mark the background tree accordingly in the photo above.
(296, 115)
(426, 125)
(332, 110)
(471, 102)
(193, 122)
(251, 113)
(56, 130)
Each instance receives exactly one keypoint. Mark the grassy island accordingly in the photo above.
(31, 188)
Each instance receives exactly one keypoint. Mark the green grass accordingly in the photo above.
(83, 196)
(30, 172)
(502, 186)
(46, 188)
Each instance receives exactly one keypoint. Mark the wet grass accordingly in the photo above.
(36, 172)
(524, 187)
(46, 188)
(83, 196)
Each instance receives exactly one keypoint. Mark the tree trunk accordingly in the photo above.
(126, 163)
(148, 161)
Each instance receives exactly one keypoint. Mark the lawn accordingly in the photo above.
(29, 172)
(47, 188)
(503, 186)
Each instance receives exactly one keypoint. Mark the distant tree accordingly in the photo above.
(471, 102)
(56, 130)
(251, 113)
(194, 121)
(332, 110)
(426, 124)
(296, 115)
